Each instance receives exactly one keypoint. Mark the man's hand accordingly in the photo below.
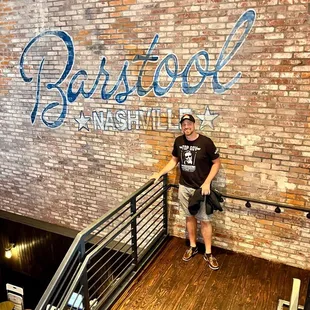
(156, 176)
(205, 188)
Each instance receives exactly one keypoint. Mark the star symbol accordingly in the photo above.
(82, 121)
(207, 118)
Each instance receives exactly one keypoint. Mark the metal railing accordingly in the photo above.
(107, 255)
(278, 206)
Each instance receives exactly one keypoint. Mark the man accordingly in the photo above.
(199, 163)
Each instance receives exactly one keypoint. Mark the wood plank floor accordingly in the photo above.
(242, 282)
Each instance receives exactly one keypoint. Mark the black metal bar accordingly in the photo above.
(134, 231)
(106, 262)
(149, 248)
(142, 220)
(266, 203)
(75, 282)
(75, 264)
(152, 208)
(157, 243)
(165, 204)
(84, 282)
(86, 231)
(149, 245)
(56, 280)
(90, 233)
(128, 265)
(106, 280)
(155, 192)
(105, 254)
(95, 282)
(92, 236)
(152, 198)
(123, 226)
(74, 305)
(141, 232)
(154, 235)
(102, 237)
(101, 304)
(105, 238)
(148, 191)
(152, 242)
(79, 239)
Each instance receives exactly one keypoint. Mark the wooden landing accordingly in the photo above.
(242, 282)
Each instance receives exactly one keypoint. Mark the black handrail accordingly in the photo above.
(105, 234)
(253, 200)
(76, 261)
(97, 250)
(267, 203)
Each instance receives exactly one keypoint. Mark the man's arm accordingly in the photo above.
(171, 164)
(205, 187)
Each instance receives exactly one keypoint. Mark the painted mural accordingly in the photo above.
(124, 119)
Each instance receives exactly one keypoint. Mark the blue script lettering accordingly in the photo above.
(248, 19)
(70, 59)
(168, 66)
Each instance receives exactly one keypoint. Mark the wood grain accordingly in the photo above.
(242, 282)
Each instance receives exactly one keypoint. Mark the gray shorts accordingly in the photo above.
(184, 195)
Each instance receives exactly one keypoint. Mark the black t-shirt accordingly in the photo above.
(195, 159)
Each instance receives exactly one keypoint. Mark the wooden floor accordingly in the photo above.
(242, 282)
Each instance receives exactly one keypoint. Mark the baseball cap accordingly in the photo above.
(188, 117)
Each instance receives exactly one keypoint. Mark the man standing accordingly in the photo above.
(199, 163)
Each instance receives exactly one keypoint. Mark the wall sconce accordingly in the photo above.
(8, 250)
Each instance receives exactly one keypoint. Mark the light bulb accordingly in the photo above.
(8, 250)
(8, 253)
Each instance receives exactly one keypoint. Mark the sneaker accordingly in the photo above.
(212, 262)
(189, 253)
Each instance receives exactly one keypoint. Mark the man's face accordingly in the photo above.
(188, 127)
(188, 157)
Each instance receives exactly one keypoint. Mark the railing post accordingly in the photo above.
(133, 209)
(165, 203)
(84, 280)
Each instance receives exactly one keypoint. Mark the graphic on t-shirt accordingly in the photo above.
(188, 157)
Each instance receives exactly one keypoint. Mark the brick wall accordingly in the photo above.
(99, 116)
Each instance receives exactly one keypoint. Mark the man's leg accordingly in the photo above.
(191, 222)
(206, 231)
(191, 225)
